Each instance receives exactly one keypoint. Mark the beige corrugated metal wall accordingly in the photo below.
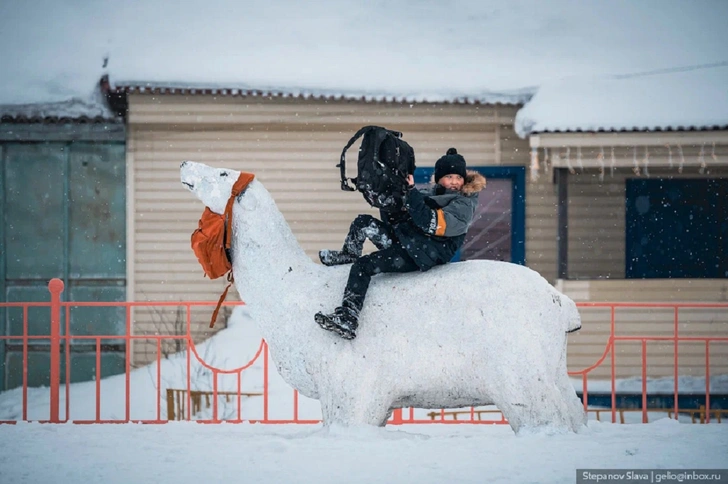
(596, 206)
(541, 221)
(292, 146)
(587, 345)
(596, 250)
(596, 244)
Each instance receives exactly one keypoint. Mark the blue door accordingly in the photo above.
(499, 228)
(63, 214)
(677, 228)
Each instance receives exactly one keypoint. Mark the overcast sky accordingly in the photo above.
(52, 50)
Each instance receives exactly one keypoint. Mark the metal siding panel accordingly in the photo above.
(97, 320)
(514, 150)
(96, 256)
(294, 155)
(298, 181)
(97, 211)
(624, 144)
(53, 227)
(38, 317)
(650, 290)
(64, 132)
(597, 217)
(35, 210)
(596, 227)
(296, 162)
(298, 113)
(541, 220)
(588, 344)
(3, 191)
(34, 243)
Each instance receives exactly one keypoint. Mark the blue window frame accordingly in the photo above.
(676, 228)
(504, 195)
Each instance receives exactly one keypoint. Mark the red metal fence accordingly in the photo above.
(190, 399)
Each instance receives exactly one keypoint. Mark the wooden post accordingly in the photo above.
(170, 404)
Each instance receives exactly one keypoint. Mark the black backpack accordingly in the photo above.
(384, 162)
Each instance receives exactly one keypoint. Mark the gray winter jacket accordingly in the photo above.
(437, 223)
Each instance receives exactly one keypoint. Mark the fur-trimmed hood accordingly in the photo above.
(474, 182)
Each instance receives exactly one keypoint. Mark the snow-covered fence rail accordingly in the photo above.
(59, 401)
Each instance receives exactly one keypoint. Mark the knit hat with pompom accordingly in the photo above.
(450, 164)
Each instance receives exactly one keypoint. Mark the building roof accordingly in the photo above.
(237, 89)
(457, 51)
(74, 110)
(674, 100)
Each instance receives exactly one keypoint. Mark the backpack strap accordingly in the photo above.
(222, 298)
(226, 238)
(243, 180)
(342, 162)
(241, 184)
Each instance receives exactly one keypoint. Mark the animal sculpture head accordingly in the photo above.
(212, 186)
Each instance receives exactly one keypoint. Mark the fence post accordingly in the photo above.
(55, 286)
(397, 416)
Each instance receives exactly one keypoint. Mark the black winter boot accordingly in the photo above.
(342, 322)
(336, 257)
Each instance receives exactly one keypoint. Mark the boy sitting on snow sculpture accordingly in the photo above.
(428, 232)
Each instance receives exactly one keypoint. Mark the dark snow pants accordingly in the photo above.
(391, 257)
(367, 227)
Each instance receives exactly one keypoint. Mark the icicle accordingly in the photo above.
(712, 153)
(669, 154)
(546, 161)
(646, 161)
(600, 159)
(568, 161)
(557, 157)
(682, 158)
(613, 163)
(579, 159)
(636, 168)
(701, 159)
(534, 164)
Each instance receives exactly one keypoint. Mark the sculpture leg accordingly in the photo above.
(354, 405)
(575, 407)
(530, 399)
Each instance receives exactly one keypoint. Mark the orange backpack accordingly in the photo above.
(211, 240)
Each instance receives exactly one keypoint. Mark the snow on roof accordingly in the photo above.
(57, 112)
(468, 50)
(237, 89)
(688, 99)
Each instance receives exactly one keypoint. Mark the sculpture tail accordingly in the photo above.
(570, 314)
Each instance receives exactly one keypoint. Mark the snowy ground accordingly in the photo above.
(181, 453)
(188, 452)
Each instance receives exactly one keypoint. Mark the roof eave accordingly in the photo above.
(139, 87)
